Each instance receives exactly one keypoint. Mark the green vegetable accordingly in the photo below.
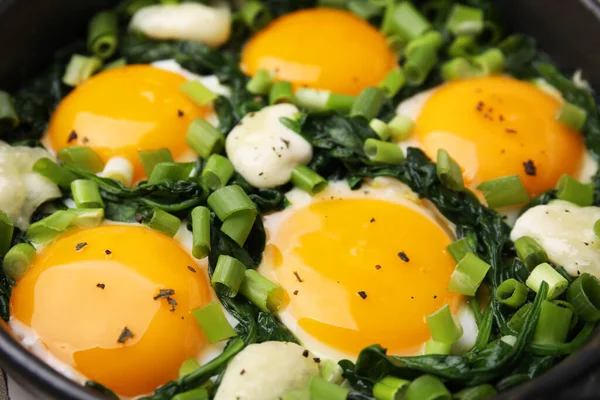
(212, 320)
(204, 138)
(198, 93)
(6, 232)
(308, 180)
(200, 232)
(18, 260)
(102, 34)
(468, 275)
(151, 158)
(163, 222)
(545, 273)
(505, 191)
(443, 327)
(427, 387)
(228, 276)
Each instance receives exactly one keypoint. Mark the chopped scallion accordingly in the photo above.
(239, 225)
(363, 9)
(46, 230)
(18, 260)
(489, 62)
(57, 174)
(86, 194)
(213, 322)
(443, 326)
(164, 222)
(194, 394)
(198, 93)
(119, 62)
(460, 248)
(229, 200)
(81, 157)
(367, 103)
(320, 389)
(255, 15)
(383, 152)
(407, 22)
(204, 138)
(80, 68)
(571, 115)
(6, 232)
(400, 127)
(530, 252)
(188, 366)
(380, 128)
(331, 371)
(465, 21)
(263, 293)
(260, 83)
(515, 323)
(552, 325)
(427, 387)
(389, 388)
(119, 169)
(458, 68)
(574, 191)
(584, 296)
(505, 191)
(342, 102)
(171, 171)
(468, 275)
(419, 64)
(393, 82)
(281, 92)
(150, 158)
(312, 99)
(448, 171)
(217, 171)
(103, 34)
(308, 180)
(480, 392)
(431, 39)
(512, 293)
(433, 347)
(87, 217)
(544, 272)
(228, 276)
(8, 114)
(462, 46)
(200, 232)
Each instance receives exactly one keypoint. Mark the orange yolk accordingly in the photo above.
(80, 322)
(493, 126)
(348, 285)
(321, 48)
(123, 110)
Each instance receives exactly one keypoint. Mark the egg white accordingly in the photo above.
(381, 188)
(412, 108)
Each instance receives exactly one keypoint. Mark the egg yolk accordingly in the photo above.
(321, 48)
(123, 110)
(87, 287)
(500, 126)
(360, 272)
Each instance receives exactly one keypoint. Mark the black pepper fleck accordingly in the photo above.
(107, 252)
(586, 243)
(242, 372)
(101, 285)
(298, 276)
(378, 266)
(317, 360)
(191, 269)
(508, 130)
(530, 168)
(80, 246)
(434, 296)
(295, 292)
(85, 140)
(72, 136)
(362, 294)
(179, 113)
(305, 353)
(372, 220)
(403, 256)
(164, 293)
(125, 335)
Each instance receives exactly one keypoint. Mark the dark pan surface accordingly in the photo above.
(568, 30)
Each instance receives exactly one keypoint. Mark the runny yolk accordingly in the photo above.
(500, 126)
(321, 48)
(87, 287)
(360, 272)
(123, 110)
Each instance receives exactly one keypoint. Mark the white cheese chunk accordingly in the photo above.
(267, 371)
(186, 21)
(263, 150)
(566, 232)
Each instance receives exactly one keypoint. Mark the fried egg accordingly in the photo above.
(113, 304)
(361, 267)
(498, 126)
(123, 110)
(321, 48)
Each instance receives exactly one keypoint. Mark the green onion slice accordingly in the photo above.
(229, 200)
(530, 252)
(81, 157)
(46, 230)
(419, 64)
(383, 152)
(553, 324)
(389, 388)
(80, 68)
(407, 22)
(18, 260)
(380, 128)
(573, 191)
(393, 82)
(213, 322)
(460, 248)
(331, 371)
(164, 222)
(188, 366)
(448, 171)
(239, 225)
(217, 171)
(308, 180)
(458, 68)
(572, 116)
(341, 102)
(433, 347)
(103, 34)
(86, 194)
(260, 83)
(465, 21)
(584, 295)
(320, 389)
(512, 293)
(427, 387)
(194, 394)
(255, 15)
(263, 293)
(515, 323)
(281, 92)
(400, 127)
(489, 62)
(6, 232)
(468, 275)
(150, 158)
(198, 93)
(171, 171)
(367, 103)
(505, 191)
(228, 276)
(443, 326)
(200, 232)
(544, 272)
(204, 138)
